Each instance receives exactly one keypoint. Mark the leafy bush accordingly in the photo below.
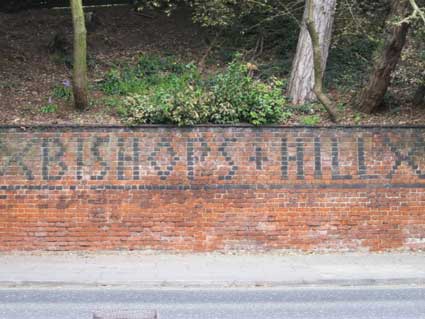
(121, 82)
(184, 107)
(159, 90)
(244, 99)
(63, 91)
(311, 120)
(49, 108)
(149, 71)
(152, 65)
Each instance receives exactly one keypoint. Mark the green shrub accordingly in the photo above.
(121, 82)
(244, 99)
(311, 120)
(149, 65)
(185, 107)
(163, 91)
(63, 92)
(49, 108)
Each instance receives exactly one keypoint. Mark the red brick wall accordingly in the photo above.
(212, 188)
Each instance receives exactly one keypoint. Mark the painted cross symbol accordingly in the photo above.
(17, 158)
(258, 158)
(409, 158)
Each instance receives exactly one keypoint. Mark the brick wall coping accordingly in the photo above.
(212, 126)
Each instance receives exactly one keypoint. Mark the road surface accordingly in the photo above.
(307, 302)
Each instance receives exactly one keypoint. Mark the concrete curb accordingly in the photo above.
(213, 284)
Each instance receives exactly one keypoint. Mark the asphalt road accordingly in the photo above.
(317, 303)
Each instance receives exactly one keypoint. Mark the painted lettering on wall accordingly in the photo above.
(211, 157)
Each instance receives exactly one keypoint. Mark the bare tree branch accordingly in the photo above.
(418, 13)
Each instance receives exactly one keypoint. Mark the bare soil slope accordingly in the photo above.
(28, 70)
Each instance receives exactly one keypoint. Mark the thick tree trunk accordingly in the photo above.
(302, 77)
(318, 71)
(372, 96)
(80, 56)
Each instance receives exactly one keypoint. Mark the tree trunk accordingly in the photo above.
(372, 96)
(317, 62)
(302, 77)
(80, 56)
(419, 97)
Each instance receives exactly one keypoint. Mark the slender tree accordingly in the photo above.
(387, 58)
(302, 77)
(418, 14)
(80, 81)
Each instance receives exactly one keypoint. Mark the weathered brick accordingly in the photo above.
(212, 188)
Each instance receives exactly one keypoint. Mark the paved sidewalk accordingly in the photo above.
(137, 269)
